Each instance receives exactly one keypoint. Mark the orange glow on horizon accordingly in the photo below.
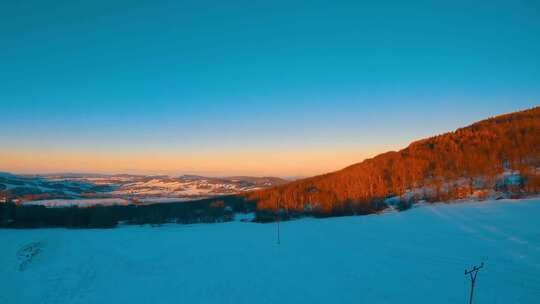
(256, 163)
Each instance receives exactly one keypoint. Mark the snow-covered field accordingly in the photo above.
(89, 202)
(417, 256)
(80, 202)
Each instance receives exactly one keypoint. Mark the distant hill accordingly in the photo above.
(497, 155)
(68, 188)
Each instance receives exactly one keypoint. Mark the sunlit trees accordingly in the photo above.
(442, 167)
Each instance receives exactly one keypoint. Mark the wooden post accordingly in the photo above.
(278, 237)
(277, 221)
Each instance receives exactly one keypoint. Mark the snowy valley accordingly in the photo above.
(56, 190)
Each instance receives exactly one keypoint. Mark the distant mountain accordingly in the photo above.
(53, 189)
(6, 175)
(496, 156)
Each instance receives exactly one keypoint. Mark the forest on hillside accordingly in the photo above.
(469, 161)
(474, 161)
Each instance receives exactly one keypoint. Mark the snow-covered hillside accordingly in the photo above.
(418, 256)
(181, 187)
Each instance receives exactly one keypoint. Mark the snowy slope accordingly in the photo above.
(416, 256)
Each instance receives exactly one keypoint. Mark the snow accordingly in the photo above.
(10, 186)
(79, 202)
(157, 183)
(109, 201)
(161, 200)
(417, 256)
(511, 178)
(158, 187)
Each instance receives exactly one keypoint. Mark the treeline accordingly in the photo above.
(213, 210)
(444, 167)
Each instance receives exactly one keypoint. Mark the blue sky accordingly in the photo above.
(252, 87)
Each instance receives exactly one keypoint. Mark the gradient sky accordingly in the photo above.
(289, 88)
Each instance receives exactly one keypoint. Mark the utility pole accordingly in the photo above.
(277, 221)
(473, 273)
